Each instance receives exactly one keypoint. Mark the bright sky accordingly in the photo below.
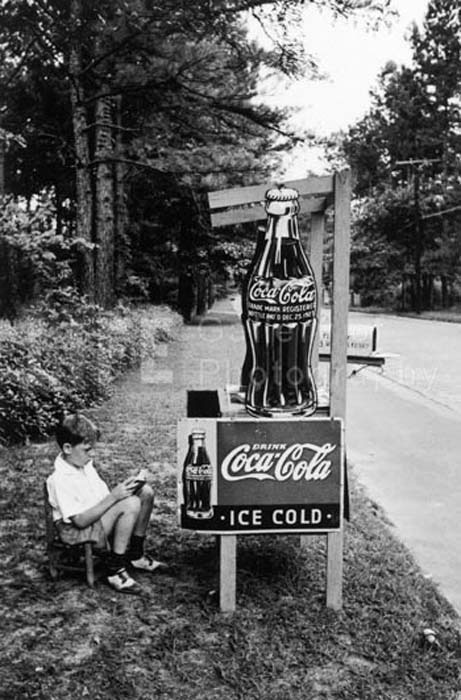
(352, 56)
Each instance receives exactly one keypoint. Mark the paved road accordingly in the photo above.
(429, 357)
(404, 439)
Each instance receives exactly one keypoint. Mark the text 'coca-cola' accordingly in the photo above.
(296, 462)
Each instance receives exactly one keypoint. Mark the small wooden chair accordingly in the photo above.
(66, 557)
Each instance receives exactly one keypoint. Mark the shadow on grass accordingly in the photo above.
(268, 567)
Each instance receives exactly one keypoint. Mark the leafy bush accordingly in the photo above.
(35, 256)
(68, 357)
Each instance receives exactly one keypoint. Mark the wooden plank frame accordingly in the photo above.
(338, 364)
(243, 204)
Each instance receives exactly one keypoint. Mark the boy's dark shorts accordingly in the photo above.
(70, 534)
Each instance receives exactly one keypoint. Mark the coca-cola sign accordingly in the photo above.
(299, 462)
(278, 301)
(271, 475)
(286, 292)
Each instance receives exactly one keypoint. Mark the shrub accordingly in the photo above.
(34, 257)
(68, 358)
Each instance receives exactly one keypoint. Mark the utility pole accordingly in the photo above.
(418, 239)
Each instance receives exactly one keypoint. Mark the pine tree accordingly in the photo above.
(410, 139)
(142, 87)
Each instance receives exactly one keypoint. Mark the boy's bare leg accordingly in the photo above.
(121, 520)
(146, 497)
(139, 559)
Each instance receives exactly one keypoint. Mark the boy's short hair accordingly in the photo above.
(75, 428)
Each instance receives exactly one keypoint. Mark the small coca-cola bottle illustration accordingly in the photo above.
(197, 478)
(280, 316)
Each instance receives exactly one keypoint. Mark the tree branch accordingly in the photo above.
(246, 112)
(21, 62)
(128, 89)
(116, 47)
(441, 213)
(109, 125)
(196, 171)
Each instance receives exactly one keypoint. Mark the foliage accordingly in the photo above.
(30, 229)
(38, 109)
(107, 94)
(410, 141)
(36, 257)
(68, 358)
(437, 58)
(381, 223)
(235, 251)
(7, 139)
(127, 90)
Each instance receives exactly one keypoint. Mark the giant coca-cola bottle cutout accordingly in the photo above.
(280, 316)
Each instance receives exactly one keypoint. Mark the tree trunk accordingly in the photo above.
(59, 212)
(450, 295)
(444, 292)
(404, 292)
(2, 167)
(202, 296)
(83, 191)
(104, 202)
(121, 242)
(9, 282)
(186, 293)
(411, 289)
(427, 283)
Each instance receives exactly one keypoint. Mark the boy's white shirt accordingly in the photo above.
(72, 490)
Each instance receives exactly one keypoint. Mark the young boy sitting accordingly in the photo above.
(84, 509)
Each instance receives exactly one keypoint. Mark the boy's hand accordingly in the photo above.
(124, 489)
(141, 476)
(138, 481)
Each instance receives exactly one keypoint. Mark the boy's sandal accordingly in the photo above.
(123, 583)
(147, 563)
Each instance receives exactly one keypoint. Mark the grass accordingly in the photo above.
(65, 641)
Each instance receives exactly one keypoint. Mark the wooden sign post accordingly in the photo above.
(277, 513)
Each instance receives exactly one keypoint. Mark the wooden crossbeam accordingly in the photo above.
(307, 187)
(258, 212)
